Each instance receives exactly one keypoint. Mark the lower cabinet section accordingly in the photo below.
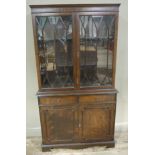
(77, 123)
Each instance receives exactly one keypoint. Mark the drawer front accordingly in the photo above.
(97, 98)
(58, 100)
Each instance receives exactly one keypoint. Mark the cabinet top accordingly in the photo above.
(74, 8)
(73, 5)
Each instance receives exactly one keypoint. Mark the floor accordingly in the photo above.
(121, 147)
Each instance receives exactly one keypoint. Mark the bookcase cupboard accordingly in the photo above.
(75, 49)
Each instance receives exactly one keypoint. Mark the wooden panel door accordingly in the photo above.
(97, 121)
(58, 124)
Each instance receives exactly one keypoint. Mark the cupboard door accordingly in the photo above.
(97, 122)
(97, 37)
(58, 124)
(55, 54)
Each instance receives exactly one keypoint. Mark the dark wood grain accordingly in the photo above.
(95, 122)
(78, 145)
(77, 117)
(36, 51)
(115, 50)
(46, 93)
(75, 8)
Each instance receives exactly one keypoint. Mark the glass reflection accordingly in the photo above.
(96, 50)
(55, 50)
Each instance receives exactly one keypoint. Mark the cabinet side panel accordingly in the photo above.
(115, 50)
(36, 51)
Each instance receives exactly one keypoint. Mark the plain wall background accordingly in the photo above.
(32, 111)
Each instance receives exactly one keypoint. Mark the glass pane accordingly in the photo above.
(55, 51)
(96, 50)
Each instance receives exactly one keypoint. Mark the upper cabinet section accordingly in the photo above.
(75, 45)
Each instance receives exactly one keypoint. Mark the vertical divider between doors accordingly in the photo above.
(76, 48)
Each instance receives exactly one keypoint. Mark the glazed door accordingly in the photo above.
(59, 124)
(55, 50)
(97, 122)
(76, 51)
(96, 49)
